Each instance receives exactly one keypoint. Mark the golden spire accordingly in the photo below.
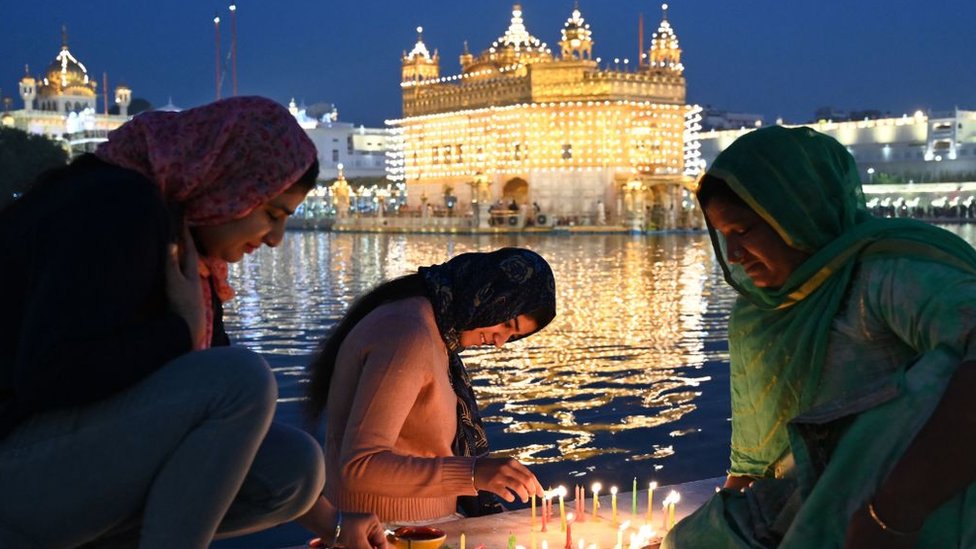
(665, 52)
(577, 41)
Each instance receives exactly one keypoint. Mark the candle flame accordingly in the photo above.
(653, 486)
(673, 497)
(562, 491)
(613, 490)
(597, 486)
(625, 525)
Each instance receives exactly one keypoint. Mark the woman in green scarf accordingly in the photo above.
(851, 351)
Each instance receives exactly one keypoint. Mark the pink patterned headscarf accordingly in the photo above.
(219, 162)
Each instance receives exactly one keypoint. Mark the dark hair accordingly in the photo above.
(323, 365)
(712, 187)
(308, 179)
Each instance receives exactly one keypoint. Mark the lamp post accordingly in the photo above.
(233, 46)
(216, 21)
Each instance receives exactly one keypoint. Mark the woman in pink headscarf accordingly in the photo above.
(124, 416)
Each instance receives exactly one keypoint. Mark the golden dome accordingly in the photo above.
(67, 73)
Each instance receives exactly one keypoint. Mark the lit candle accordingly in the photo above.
(561, 491)
(569, 531)
(533, 511)
(650, 501)
(545, 544)
(664, 513)
(545, 498)
(596, 500)
(462, 540)
(549, 503)
(613, 504)
(582, 507)
(620, 534)
(633, 499)
(668, 510)
(677, 498)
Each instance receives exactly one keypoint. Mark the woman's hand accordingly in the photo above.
(361, 531)
(183, 288)
(863, 531)
(506, 478)
(738, 482)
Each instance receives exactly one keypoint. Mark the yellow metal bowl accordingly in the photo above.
(418, 537)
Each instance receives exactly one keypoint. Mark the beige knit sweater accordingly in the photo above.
(391, 419)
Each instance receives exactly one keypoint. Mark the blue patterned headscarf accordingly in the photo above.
(476, 290)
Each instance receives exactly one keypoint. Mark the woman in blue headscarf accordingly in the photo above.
(404, 437)
(852, 349)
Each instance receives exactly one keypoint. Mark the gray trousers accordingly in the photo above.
(186, 454)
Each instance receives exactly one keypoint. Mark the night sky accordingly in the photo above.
(778, 58)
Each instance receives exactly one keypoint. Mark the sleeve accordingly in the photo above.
(925, 304)
(95, 321)
(394, 377)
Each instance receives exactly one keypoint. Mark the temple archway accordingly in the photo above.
(516, 189)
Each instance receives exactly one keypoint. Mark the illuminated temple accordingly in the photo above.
(569, 138)
(62, 104)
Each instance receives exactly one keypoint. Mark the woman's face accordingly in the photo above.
(499, 334)
(264, 225)
(751, 242)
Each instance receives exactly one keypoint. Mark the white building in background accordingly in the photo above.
(361, 151)
(717, 119)
(922, 148)
(63, 105)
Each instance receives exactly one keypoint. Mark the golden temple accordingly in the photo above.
(573, 139)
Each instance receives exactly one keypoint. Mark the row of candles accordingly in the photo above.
(637, 539)
(668, 505)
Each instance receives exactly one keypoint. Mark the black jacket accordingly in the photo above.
(83, 308)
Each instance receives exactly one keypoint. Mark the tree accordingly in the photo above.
(22, 158)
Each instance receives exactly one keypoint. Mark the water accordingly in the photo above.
(630, 379)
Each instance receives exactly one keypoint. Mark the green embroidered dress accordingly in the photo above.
(833, 374)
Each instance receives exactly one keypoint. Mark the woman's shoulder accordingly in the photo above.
(412, 315)
(407, 321)
(914, 270)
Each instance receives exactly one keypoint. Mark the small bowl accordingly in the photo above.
(418, 537)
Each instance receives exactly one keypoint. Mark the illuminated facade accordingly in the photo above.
(360, 151)
(907, 149)
(520, 123)
(62, 105)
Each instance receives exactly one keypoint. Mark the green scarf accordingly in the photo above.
(806, 186)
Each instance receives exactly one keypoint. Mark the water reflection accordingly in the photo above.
(630, 375)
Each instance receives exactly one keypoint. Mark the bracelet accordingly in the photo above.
(335, 540)
(884, 526)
